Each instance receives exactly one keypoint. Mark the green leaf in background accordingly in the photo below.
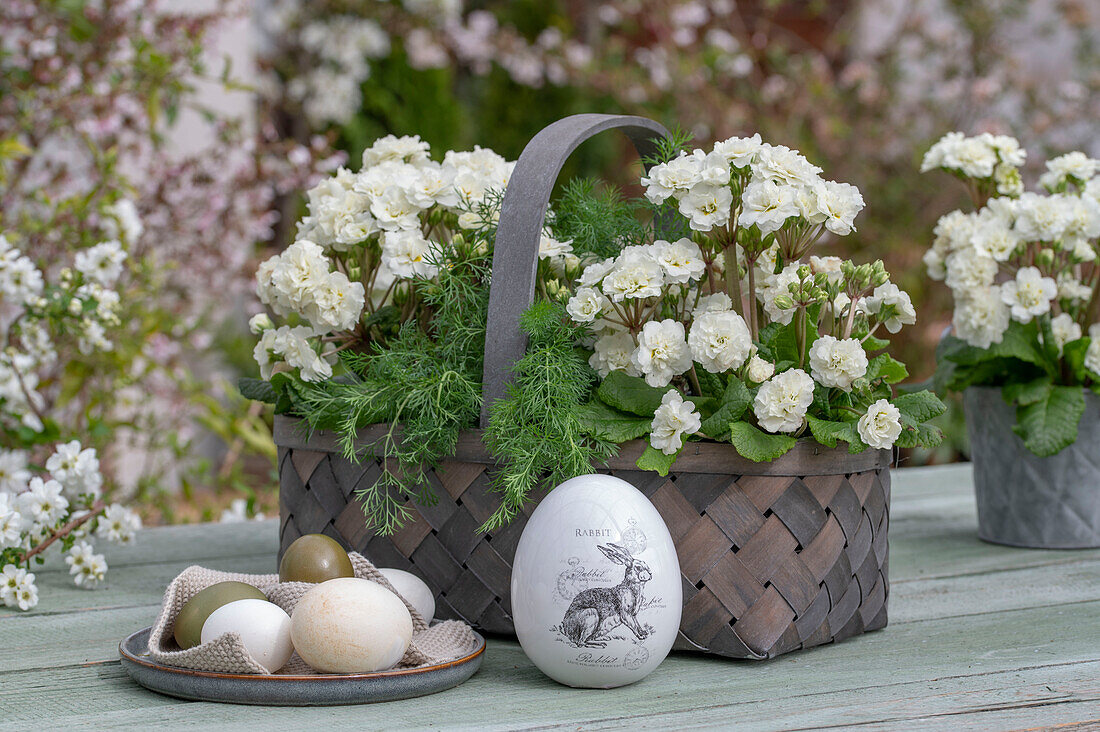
(735, 400)
(919, 406)
(1049, 425)
(630, 394)
(1021, 341)
(388, 315)
(653, 459)
(599, 420)
(759, 446)
(891, 370)
(1028, 392)
(257, 389)
(827, 433)
(711, 384)
(875, 344)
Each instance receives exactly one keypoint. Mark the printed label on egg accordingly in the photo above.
(596, 584)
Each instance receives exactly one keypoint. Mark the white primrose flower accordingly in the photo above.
(434, 184)
(758, 371)
(975, 157)
(780, 164)
(968, 268)
(1064, 329)
(838, 204)
(406, 149)
(102, 263)
(12, 522)
(672, 178)
(739, 151)
(595, 272)
(768, 205)
(17, 587)
(717, 302)
(118, 524)
(901, 307)
(720, 341)
(672, 420)
(1082, 225)
(394, 211)
(1071, 166)
(714, 169)
(87, 567)
(42, 503)
(662, 352)
(614, 352)
(636, 274)
(76, 469)
(587, 305)
(1071, 288)
(1092, 354)
(707, 206)
(782, 401)
(1008, 180)
(13, 471)
(981, 317)
(1041, 218)
(407, 254)
(993, 237)
(830, 266)
(287, 281)
(294, 345)
(337, 304)
(1029, 294)
(837, 363)
(880, 426)
(681, 260)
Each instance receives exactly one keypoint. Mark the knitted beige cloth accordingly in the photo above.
(226, 654)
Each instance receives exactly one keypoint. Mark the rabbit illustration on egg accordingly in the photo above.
(595, 612)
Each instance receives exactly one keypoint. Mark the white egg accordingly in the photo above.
(263, 626)
(351, 625)
(596, 593)
(413, 589)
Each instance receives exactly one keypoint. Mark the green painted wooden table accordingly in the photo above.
(980, 636)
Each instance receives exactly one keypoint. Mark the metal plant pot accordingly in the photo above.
(1030, 501)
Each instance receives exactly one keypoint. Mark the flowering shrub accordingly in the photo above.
(733, 331)
(1022, 270)
(58, 502)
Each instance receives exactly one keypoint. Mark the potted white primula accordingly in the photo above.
(1025, 342)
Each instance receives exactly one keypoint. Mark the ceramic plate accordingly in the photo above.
(292, 690)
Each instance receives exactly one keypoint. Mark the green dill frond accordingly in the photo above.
(667, 148)
(596, 218)
(535, 431)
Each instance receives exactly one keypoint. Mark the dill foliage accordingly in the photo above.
(597, 219)
(536, 432)
(425, 384)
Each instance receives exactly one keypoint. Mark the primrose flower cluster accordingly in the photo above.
(1020, 257)
(736, 311)
(57, 503)
(366, 242)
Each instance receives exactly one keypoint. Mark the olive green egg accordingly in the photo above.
(188, 626)
(314, 558)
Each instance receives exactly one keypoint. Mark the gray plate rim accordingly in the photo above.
(296, 690)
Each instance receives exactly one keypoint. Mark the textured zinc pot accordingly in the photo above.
(1030, 501)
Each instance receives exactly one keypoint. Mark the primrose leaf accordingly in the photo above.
(1049, 425)
(630, 394)
(889, 369)
(257, 389)
(759, 446)
(919, 406)
(604, 422)
(654, 459)
(735, 400)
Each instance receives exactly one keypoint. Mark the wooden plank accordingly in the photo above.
(959, 655)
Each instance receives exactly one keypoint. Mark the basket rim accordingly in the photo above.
(808, 457)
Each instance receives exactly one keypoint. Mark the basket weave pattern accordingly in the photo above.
(769, 563)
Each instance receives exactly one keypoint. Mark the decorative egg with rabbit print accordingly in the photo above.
(596, 594)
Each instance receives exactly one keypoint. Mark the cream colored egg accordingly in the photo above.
(350, 625)
(413, 589)
(264, 628)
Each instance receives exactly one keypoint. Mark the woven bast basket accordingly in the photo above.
(774, 557)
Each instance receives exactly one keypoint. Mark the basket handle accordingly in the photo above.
(523, 210)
